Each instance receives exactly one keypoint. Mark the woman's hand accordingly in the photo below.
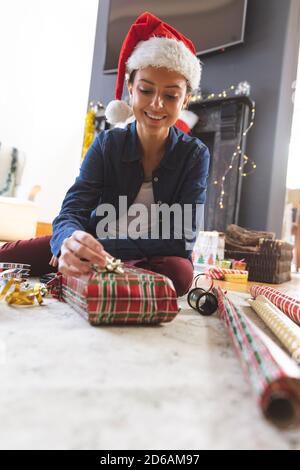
(78, 252)
(53, 261)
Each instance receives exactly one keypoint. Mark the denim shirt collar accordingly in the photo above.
(132, 152)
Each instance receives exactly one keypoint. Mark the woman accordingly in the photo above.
(149, 162)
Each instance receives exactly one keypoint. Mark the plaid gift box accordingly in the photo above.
(136, 297)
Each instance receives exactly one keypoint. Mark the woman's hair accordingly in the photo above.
(133, 73)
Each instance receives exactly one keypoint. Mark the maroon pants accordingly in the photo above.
(37, 253)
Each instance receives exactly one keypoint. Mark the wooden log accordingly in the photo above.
(246, 237)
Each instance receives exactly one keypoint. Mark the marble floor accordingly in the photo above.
(67, 385)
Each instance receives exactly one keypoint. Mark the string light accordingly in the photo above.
(242, 89)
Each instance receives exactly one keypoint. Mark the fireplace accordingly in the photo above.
(221, 125)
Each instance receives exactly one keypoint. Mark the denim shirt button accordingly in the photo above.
(155, 179)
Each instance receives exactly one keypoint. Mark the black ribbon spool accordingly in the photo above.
(204, 301)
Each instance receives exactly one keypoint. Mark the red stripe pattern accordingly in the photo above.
(135, 297)
(269, 380)
(287, 304)
(216, 272)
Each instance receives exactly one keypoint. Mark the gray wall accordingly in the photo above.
(268, 60)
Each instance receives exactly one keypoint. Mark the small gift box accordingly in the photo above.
(209, 248)
(236, 275)
(136, 296)
(239, 264)
(224, 263)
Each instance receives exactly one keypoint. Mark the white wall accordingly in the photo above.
(293, 175)
(46, 51)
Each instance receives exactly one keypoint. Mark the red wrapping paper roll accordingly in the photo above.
(274, 377)
(288, 305)
(216, 272)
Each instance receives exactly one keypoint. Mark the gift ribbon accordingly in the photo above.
(113, 265)
(21, 297)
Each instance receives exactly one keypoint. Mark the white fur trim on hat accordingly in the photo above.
(189, 118)
(118, 111)
(168, 53)
(123, 124)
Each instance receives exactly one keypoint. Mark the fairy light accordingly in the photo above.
(242, 88)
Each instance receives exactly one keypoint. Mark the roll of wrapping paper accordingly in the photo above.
(232, 275)
(274, 376)
(283, 328)
(18, 271)
(215, 273)
(5, 266)
(288, 305)
(15, 273)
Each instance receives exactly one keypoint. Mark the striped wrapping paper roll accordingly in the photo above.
(275, 381)
(287, 304)
(283, 328)
(215, 272)
(14, 270)
(6, 266)
(234, 271)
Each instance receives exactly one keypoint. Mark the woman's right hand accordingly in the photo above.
(79, 252)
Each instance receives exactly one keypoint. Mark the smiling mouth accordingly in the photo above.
(155, 118)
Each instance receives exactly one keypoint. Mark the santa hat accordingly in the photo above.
(187, 120)
(151, 42)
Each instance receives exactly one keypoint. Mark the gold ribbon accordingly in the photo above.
(89, 131)
(21, 296)
(113, 265)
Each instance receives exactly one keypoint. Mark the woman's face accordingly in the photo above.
(157, 96)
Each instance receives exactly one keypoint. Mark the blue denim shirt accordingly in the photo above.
(113, 167)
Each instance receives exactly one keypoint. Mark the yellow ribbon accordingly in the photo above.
(113, 265)
(21, 297)
(89, 131)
